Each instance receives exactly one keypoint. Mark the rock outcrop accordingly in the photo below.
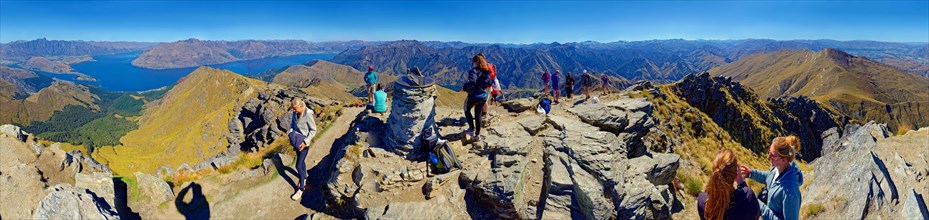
(67, 202)
(154, 188)
(863, 175)
(754, 122)
(28, 167)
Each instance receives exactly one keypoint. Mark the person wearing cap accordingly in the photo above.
(371, 81)
(587, 82)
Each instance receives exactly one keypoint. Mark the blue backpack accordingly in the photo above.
(546, 104)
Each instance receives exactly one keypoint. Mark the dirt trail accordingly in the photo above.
(261, 197)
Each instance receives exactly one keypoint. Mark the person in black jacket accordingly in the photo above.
(569, 84)
(721, 201)
(479, 81)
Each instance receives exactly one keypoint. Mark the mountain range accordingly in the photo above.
(854, 86)
(20, 51)
(194, 52)
(657, 60)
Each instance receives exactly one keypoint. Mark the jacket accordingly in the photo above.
(783, 192)
(305, 125)
(477, 84)
(371, 77)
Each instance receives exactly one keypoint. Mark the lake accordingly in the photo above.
(116, 72)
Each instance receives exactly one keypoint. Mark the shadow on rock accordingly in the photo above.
(197, 207)
(121, 201)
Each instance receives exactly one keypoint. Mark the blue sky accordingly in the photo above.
(484, 21)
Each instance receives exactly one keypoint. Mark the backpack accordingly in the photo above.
(545, 105)
(443, 159)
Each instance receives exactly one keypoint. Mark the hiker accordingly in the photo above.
(476, 87)
(555, 81)
(546, 79)
(587, 81)
(569, 84)
(380, 100)
(606, 84)
(493, 85)
(371, 82)
(782, 181)
(721, 201)
(301, 132)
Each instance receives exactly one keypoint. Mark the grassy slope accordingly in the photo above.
(854, 86)
(41, 105)
(188, 124)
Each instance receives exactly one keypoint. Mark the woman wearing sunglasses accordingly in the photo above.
(782, 181)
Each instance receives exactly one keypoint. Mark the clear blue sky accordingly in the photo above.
(498, 22)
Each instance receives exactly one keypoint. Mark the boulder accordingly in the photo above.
(865, 186)
(519, 105)
(100, 184)
(12, 131)
(502, 188)
(21, 183)
(658, 168)
(67, 202)
(155, 188)
(914, 207)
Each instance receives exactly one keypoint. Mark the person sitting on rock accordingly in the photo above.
(721, 201)
(782, 181)
(301, 132)
(380, 100)
(476, 87)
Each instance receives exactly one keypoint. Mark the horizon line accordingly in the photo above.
(460, 41)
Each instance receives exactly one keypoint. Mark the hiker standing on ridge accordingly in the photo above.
(606, 83)
(569, 84)
(371, 81)
(301, 132)
(782, 181)
(546, 79)
(587, 81)
(476, 87)
(555, 81)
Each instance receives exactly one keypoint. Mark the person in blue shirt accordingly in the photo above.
(782, 181)
(380, 100)
(371, 81)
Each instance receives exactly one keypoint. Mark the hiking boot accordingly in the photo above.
(297, 195)
(478, 138)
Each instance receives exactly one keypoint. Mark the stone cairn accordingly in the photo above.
(412, 109)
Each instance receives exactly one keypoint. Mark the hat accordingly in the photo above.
(585, 71)
(370, 68)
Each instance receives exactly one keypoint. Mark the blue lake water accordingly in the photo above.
(116, 72)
